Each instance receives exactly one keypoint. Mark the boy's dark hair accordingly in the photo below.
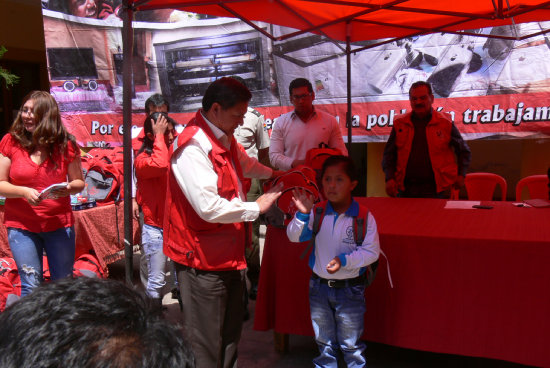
(345, 161)
(157, 100)
(148, 144)
(89, 322)
(299, 82)
(420, 84)
(227, 92)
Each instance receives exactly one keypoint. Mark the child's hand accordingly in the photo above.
(302, 200)
(334, 265)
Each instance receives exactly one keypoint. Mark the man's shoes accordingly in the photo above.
(253, 291)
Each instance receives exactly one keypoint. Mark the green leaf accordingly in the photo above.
(9, 78)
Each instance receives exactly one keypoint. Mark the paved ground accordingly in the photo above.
(256, 348)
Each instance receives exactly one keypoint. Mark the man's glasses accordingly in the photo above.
(301, 97)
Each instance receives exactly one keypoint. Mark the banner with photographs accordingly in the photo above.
(490, 87)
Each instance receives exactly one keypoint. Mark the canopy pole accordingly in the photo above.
(348, 77)
(127, 77)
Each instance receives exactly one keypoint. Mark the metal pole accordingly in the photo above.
(127, 79)
(348, 75)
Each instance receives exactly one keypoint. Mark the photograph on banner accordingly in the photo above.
(488, 86)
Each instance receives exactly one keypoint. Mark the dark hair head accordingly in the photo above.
(239, 79)
(157, 100)
(299, 82)
(85, 323)
(227, 92)
(345, 161)
(50, 133)
(420, 84)
(148, 143)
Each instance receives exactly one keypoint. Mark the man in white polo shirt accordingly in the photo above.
(304, 128)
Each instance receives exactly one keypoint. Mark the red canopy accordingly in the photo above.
(351, 21)
(367, 19)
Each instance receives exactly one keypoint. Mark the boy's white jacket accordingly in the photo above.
(335, 238)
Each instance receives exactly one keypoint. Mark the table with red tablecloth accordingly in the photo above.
(95, 228)
(466, 281)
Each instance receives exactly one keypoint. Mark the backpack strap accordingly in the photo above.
(318, 215)
(359, 232)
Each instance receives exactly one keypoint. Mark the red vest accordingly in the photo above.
(188, 239)
(438, 136)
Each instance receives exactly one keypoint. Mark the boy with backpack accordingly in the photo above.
(345, 248)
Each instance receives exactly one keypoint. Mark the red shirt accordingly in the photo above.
(50, 214)
(152, 175)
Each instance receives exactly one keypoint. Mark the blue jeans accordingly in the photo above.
(28, 247)
(151, 238)
(337, 315)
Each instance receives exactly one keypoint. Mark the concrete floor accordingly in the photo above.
(256, 348)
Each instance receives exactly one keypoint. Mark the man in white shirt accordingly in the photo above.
(298, 131)
(207, 221)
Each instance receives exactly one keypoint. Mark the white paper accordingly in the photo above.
(462, 204)
(47, 193)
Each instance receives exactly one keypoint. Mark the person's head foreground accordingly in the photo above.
(88, 322)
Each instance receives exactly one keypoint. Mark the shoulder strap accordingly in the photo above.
(359, 232)
(317, 218)
(318, 215)
(360, 225)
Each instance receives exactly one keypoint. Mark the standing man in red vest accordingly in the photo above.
(419, 157)
(207, 221)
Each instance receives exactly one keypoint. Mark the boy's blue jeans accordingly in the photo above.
(337, 315)
(28, 247)
(151, 238)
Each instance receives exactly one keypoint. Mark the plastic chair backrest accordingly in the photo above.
(481, 186)
(537, 187)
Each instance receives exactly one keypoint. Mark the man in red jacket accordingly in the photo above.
(419, 157)
(207, 221)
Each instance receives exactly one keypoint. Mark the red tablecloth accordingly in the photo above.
(467, 281)
(95, 230)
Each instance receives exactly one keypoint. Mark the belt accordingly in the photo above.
(359, 280)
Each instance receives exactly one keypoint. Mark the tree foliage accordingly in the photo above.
(9, 78)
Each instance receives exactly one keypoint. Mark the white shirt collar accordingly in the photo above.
(218, 133)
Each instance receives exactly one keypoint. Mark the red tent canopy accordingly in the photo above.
(368, 20)
(351, 21)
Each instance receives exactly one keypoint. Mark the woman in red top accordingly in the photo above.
(39, 152)
(152, 163)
